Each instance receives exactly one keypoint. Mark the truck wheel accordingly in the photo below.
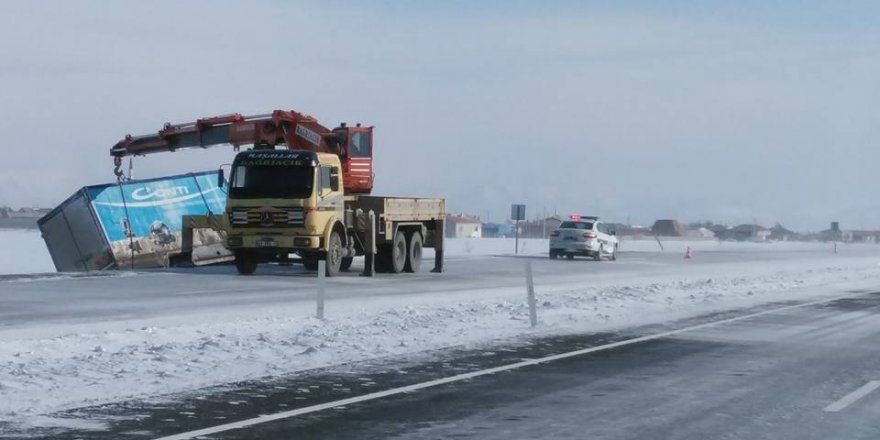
(346, 263)
(310, 261)
(245, 263)
(398, 252)
(414, 256)
(553, 255)
(334, 255)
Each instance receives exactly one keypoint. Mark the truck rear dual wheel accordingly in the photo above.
(402, 255)
(414, 253)
(346, 263)
(398, 252)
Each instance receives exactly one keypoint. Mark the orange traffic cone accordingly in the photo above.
(687, 254)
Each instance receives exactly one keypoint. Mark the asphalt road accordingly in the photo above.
(780, 375)
(768, 377)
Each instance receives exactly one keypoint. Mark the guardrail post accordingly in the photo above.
(439, 237)
(322, 274)
(369, 228)
(530, 290)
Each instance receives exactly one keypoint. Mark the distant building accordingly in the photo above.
(746, 232)
(540, 228)
(718, 230)
(624, 230)
(831, 234)
(30, 213)
(849, 235)
(497, 230)
(779, 233)
(857, 236)
(704, 233)
(462, 226)
(668, 228)
(25, 218)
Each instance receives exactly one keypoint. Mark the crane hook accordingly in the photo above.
(117, 169)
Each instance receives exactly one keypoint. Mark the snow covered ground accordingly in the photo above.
(23, 251)
(464, 247)
(31, 256)
(52, 365)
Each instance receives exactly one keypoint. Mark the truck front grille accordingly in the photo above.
(267, 218)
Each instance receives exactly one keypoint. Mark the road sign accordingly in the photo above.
(517, 212)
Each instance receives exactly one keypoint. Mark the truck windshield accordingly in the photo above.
(252, 182)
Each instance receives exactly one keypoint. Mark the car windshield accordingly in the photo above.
(576, 225)
(271, 181)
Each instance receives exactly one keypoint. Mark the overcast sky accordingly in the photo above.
(727, 111)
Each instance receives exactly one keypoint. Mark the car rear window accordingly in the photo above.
(576, 225)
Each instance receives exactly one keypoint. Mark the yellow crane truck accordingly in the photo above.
(310, 198)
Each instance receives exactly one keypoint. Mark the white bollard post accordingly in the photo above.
(530, 289)
(322, 267)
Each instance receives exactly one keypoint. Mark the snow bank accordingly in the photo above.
(103, 364)
(31, 256)
(464, 247)
(23, 251)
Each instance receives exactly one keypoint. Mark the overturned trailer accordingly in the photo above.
(135, 224)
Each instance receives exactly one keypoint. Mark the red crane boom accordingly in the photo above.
(296, 131)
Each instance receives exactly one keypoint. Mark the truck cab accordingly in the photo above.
(287, 201)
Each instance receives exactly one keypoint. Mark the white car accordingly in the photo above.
(584, 236)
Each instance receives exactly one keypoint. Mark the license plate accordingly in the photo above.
(570, 238)
(267, 242)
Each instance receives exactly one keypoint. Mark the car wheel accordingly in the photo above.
(598, 256)
(614, 254)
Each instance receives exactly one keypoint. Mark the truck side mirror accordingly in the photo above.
(221, 178)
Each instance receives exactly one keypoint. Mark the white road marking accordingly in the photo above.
(466, 376)
(853, 397)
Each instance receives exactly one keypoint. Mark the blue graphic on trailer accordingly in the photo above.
(155, 205)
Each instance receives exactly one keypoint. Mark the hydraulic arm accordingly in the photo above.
(287, 128)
